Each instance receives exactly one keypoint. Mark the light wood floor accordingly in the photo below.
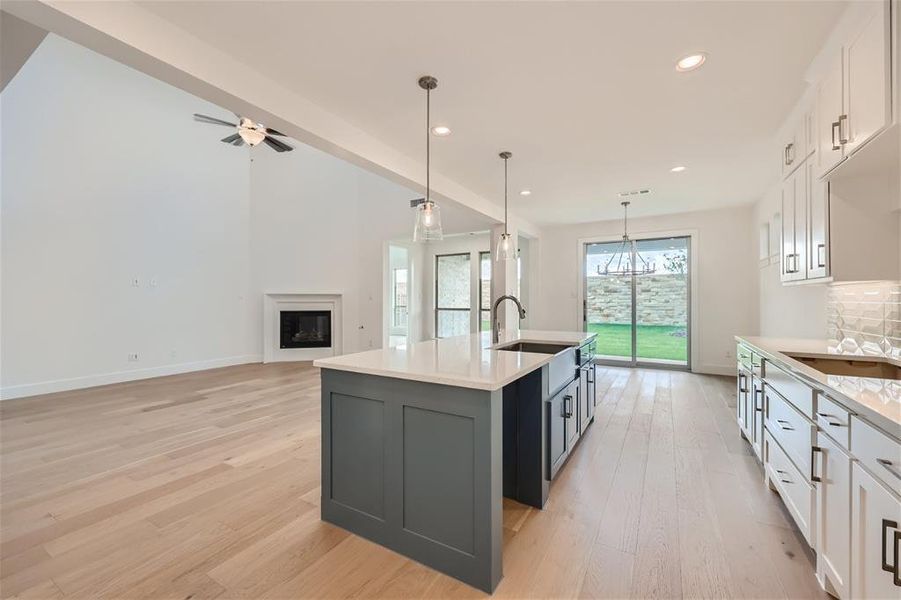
(206, 485)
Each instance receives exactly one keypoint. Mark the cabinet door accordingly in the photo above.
(875, 538)
(829, 151)
(818, 221)
(867, 66)
(834, 513)
(742, 400)
(801, 200)
(788, 229)
(584, 414)
(755, 415)
(571, 407)
(556, 433)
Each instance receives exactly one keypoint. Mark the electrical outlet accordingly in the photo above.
(133, 357)
(135, 282)
(728, 353)
(153, 282)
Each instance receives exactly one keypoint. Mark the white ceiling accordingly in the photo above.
(584, 94)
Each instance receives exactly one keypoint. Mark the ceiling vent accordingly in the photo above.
(632, 193)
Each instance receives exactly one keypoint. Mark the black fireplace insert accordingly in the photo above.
(305, 328)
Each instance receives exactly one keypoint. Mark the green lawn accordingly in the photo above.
(654, 341)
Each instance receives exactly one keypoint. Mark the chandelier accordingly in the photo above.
(627, 261)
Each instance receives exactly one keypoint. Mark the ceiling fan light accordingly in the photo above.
(428, 223)
(251, 136)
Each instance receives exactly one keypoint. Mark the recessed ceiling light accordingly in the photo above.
(525, 193)
(441, 130)
(678, 169)
(690, 62)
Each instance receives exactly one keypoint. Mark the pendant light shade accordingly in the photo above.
(428, 215)
(505, 246)
(428, 222)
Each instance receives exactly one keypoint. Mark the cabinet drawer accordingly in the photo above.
(799, 394)
(877, 452)
(794, 433)
(744, 357)
(792, 485)
(834, 420)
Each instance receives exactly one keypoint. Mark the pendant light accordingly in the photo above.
(428, 215)
(621, 262)
(505, 249)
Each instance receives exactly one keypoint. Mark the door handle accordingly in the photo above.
(821, 255)
(757, 394)
(790, 149)
(835, 125)
(893, 566)
(842, 123)
(813, 462)
(567, 407)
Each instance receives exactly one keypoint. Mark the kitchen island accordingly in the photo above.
(420, 443)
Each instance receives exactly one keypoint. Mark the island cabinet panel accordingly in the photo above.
(358, 442)
(438, 504)
(416, 467)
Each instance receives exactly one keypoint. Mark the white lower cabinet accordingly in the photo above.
(797, 493)
(875, 538)
(834, 514)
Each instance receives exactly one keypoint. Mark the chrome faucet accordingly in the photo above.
(495, 324)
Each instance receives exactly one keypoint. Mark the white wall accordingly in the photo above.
(725, 282)
(106, 178)
(113, 180)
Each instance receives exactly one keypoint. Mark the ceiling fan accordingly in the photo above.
(248, 132)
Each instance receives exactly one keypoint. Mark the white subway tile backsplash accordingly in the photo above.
(865, 318)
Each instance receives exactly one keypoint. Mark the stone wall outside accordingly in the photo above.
(661, 299)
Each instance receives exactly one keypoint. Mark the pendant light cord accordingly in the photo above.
(428, 142)
(505, 197)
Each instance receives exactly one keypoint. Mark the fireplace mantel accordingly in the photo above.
(275, 302)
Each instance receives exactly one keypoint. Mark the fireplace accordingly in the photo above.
(305, 328)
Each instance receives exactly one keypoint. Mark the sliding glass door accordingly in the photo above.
(639, 318)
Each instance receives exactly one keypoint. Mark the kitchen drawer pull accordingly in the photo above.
(567, 407)
(890, 467)
(835, 125)
(782, 425)
(826, 417)
(886, 566)
(813, 463)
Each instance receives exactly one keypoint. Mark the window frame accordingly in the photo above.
(438, 309)
(482, 254)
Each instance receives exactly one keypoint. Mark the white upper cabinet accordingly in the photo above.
(829, 107)
(853, 99)
(794, 226)
(818, 225)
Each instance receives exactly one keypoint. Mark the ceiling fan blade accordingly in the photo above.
(212, 120)
(231, 139)
(277, 145)
(274, 132)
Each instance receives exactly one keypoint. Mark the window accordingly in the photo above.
(452, 289)
(484, 291)
(400, 298)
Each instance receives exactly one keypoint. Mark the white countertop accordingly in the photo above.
(876, 400)
(468, 361)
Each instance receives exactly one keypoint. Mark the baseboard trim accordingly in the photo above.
(77, 383)
(715, 370)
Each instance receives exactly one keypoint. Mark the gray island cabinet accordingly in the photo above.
(421, 443)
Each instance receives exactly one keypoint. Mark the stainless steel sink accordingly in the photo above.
(536, 347)
(850, 366)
